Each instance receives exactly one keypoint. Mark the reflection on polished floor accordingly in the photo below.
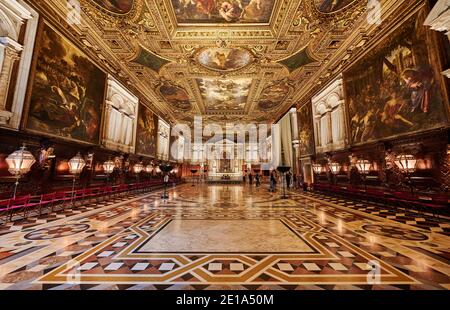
(227, 237)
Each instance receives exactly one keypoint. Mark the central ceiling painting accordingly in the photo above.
(224, 94)
(225, 59)
(223, 11)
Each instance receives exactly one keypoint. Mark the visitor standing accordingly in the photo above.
(273, 181)
(288, 180)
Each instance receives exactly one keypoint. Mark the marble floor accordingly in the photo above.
(227, 237)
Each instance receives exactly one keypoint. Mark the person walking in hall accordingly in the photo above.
(273, 182)
(250, 179)
(288, 180)
(244, 178)
(258, 180)
(294, 181)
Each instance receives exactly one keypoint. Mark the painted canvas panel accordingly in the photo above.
(223, 11)
(273, 96)
(225, 59)
(147, 128)
(150, 60)
(67, 91)
(398, 88)
(224, 94)
(297, 60)
(331, 6)
(116, 6)
(176, 96)
(305, 130)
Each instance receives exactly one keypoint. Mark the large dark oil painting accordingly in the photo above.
(305, 130)
(147, 128)
(273, 96)
(223, 11)
(67, 91)
(331, 6)
(116, 6)
(398, 88)
(176, 96)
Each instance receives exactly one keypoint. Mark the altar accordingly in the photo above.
(224, 164)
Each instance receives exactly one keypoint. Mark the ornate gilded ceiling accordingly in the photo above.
(238, 60)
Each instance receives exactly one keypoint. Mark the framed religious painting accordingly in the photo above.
(397, 88)
(67, 90)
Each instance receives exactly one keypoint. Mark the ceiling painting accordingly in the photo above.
(225, 59)
(273, 96)
(223, 11)
(224, 94)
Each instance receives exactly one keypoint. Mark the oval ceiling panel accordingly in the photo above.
(225, 59)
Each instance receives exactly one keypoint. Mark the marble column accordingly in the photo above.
(330, 128)
(11, 54)
(296, 146)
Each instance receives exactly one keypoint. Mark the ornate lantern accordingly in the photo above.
(137, 168)
(76, 164)
(149, 168)
(363, 166)
(109, 166)
(406, 163)
(20, 162)
(335, 168)
(317, 168)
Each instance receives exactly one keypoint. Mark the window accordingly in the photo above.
(163, 140)
(329, 120)
(120, 118)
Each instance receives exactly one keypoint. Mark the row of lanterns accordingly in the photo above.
(109, 167)
(405, 162)
(21, 161)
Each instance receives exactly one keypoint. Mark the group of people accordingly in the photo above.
(256, 178)
(292, 181)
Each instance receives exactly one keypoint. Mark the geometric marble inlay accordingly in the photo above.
(230, 236)
(395, 232)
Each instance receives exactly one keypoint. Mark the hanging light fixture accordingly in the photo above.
(108, 166)
(317, 168)
(19, 164)
(76, 164)
(406, 162)
(363, 166)
(335, 168)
